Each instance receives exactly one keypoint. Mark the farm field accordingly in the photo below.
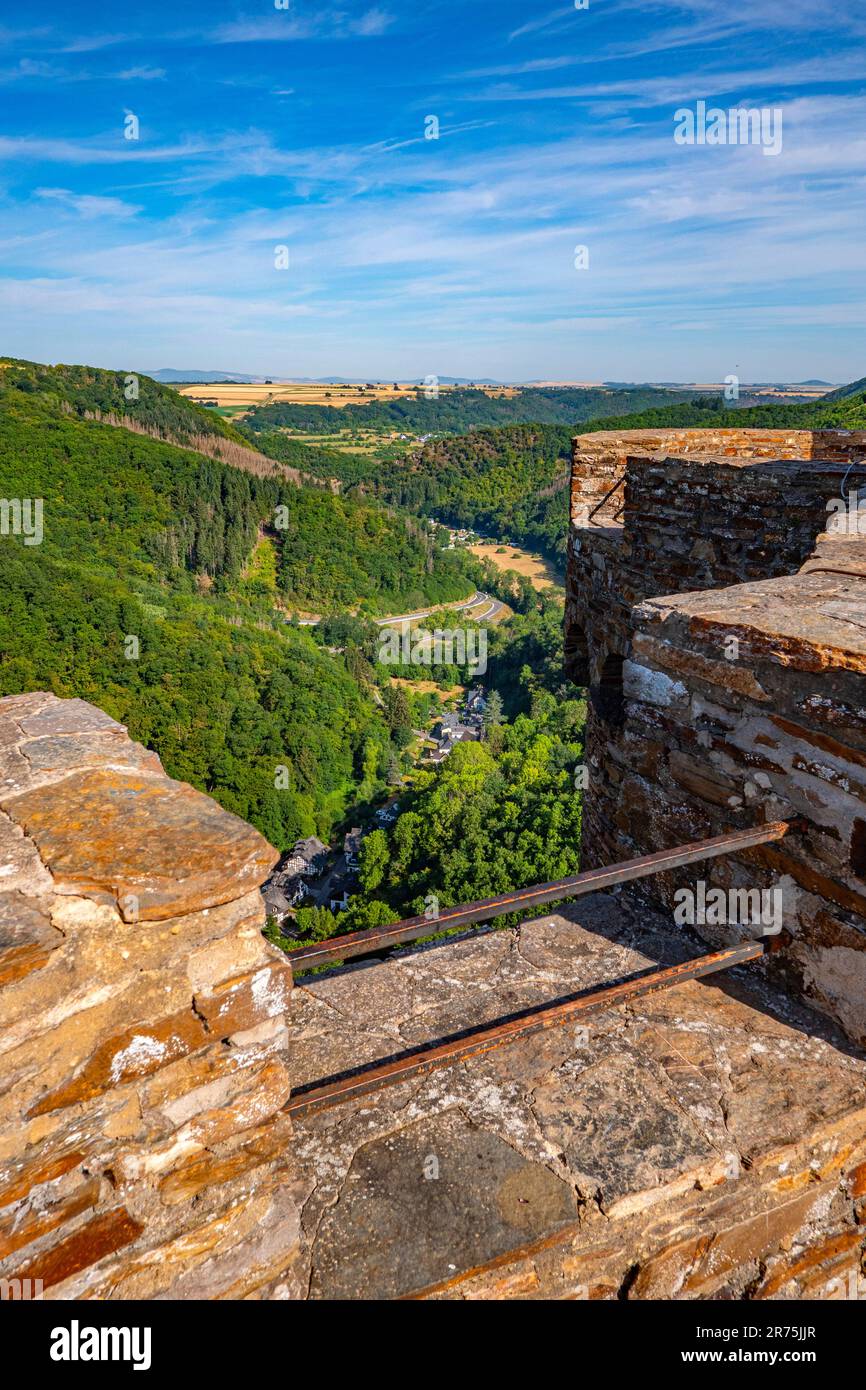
(245, 395)
(356, 441)
(537, 570)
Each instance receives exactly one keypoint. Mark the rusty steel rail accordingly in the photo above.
(339, 948)
(607, 496)
(473, 1042)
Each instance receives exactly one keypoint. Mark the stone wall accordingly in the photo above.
(705, 1142)
(738, 697)
(142, 1028)
(599, 459)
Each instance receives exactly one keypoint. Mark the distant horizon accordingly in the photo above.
(335, 378)
(197, 376)
(508, 189)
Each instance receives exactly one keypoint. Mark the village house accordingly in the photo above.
(307, 858)
(287, 888)
(281, 898)
(352, 847)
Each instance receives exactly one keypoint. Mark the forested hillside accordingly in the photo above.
(91, 389)
(512, 482)
(498, 814)
(455, 411)
(134, 599)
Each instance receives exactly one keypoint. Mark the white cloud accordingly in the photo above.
(141, 74)
(286, 27)
(88, 205)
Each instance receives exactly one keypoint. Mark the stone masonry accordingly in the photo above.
(721, 631)
(142, 1028)
(706, 1142)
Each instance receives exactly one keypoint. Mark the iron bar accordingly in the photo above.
(338, 948)
(597, 508)
(473, 1042)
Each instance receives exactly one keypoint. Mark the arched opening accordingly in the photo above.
(608, 697)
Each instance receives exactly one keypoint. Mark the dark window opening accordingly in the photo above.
(576, 653)
(858, 849)
(608, 696)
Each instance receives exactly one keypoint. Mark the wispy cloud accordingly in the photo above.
(141, 73)
(410, 254)
(321, 24)
(88, 205)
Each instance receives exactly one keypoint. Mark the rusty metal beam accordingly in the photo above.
(339, 948)
(607, 496)
(473, 1042)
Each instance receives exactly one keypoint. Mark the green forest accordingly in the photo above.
(512, 482)
(77, 390)
(149, 541)
(166, 590)
(459, 410)
(498, 814)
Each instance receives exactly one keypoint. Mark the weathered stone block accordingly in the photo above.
(155, 848)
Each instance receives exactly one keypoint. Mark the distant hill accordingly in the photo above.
(79, 390)
(173, 374)
(195, 376)
(844, 393)
(455, 412)
(511, 482)
(135, 402)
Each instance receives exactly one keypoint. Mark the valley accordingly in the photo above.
(223, 588)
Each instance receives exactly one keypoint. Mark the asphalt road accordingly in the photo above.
(491, 609)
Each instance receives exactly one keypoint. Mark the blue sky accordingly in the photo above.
(305, 127)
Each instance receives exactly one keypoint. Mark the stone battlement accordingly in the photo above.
(142, 1028)
(709, 1141)
(721, 632)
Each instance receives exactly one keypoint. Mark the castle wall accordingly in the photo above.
(739, 696)
(705, 1142)
(142, 1028)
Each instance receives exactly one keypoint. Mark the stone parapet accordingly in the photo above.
(720, 631)
(142, 1023)
(705, 1142)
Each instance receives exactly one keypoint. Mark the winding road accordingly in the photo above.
(492, 610)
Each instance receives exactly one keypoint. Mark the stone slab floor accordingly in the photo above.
(706, 1141)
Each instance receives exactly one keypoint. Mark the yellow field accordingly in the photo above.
(303, 393)
(537, 570)
(429, 688)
